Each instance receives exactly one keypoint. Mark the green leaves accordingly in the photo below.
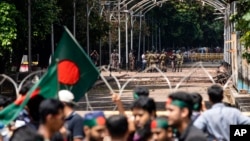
(189, 24)
(44, 13)
(8, 31)
(246, 16)
(242, 19)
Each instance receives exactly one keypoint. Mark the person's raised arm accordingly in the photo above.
(116, 99)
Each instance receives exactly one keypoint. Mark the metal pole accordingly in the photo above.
(29, 36)
(160, 38)
(126, 41)
(156, 40)
(74, 18)
(152, 34)
(88, 27)
(119, 31)
(131, 31)
(52, 39)
(100, 52)
(144, 37)
(139, 47)
(109, 37)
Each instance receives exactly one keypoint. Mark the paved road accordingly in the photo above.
(196, 80)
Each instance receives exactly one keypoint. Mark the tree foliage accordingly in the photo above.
(8, 31)
(188, 24)
(242, 19)
(44, 13)
(182, 24)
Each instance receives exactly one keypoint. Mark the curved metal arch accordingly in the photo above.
(215, 4)
(139, 4)
(149, 8)
(145, 6)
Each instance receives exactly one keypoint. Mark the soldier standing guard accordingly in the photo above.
(94, 56)
(179, 61)
(115, 58)
(131, 61)
(172, 59)
(151, 58)
(157, 58)
(147, 58)
(163, 58)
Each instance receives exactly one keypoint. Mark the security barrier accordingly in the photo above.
(206, 57)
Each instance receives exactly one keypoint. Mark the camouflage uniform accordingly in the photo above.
(115, 58)
(172, 59)
(157, 59)
(163, 58)
(179, 61)
(151, 58)
(147, 59)
(131, 61)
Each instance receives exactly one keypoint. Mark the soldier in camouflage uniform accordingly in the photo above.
(115, 58)
(147, 58)
(157, 59)
(179, 61)
(172, 60)
(151, 58)
(131, 61)
(163, 58)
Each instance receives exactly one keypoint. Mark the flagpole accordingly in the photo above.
(58, 83)
(29, 36)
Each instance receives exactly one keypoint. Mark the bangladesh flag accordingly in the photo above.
(71, 69)
(46, 87)
(76, 71)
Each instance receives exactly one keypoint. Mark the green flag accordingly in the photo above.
(47, 87)
(76, 71)
(71, 69)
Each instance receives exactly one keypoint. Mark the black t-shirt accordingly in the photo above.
(27, 133)
(74, 125)
(192, 134)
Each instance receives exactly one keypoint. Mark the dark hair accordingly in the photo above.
(185, 97)
(197, 99)
(215, 93)
(26, 133)
(33, 107)
(71, 105)
(117, 126)
(141, 91)
(5, 101)
(145, 132)
(33, 103)
(145, 103)
(49, 106)
(26, 87)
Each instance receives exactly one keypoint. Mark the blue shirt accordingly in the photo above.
(217, 120)
(74, 125)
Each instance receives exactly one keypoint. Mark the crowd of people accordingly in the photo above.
(186, 118)
(161, 60)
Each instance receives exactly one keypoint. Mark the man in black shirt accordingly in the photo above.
(73, 121)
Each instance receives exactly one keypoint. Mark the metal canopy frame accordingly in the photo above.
(146, 5)
(142, 7)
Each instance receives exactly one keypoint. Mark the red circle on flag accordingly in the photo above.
(68, 72)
